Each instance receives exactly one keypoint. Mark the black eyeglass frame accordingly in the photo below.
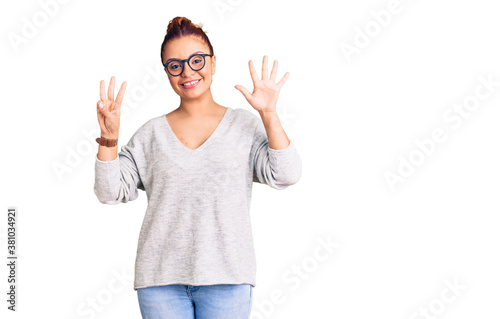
(187, 60)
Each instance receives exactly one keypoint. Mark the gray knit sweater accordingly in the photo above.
(196, 229)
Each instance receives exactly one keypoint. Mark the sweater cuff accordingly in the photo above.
(287, 149)
(107, 171)
(107, 162)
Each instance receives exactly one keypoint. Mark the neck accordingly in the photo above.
(199, 107)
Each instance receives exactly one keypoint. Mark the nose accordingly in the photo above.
(186, 70)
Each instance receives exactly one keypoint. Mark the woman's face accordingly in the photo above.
(182, 48)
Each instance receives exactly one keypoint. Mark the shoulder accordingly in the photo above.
(147, 129)
(150, 125)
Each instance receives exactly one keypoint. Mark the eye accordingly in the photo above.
(197, 60)
(174, 65)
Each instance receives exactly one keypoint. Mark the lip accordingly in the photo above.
(192, 85)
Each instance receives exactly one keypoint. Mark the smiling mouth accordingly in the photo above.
(191, 83)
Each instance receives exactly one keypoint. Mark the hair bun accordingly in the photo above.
(177, 21)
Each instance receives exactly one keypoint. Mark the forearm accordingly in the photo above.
(276, 135)
(107, 153)
(117, 180)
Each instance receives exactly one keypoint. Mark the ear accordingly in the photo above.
(213, 64)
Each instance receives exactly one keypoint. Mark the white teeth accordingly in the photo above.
(189, 83)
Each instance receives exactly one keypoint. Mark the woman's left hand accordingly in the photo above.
(265, 93)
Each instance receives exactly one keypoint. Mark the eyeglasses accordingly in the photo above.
(196, 62)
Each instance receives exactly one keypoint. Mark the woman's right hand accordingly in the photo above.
(108, 109)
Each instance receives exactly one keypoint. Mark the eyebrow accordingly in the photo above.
(179, 59)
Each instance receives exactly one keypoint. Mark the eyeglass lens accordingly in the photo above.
(196, 62)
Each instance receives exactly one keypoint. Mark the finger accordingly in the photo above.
(244, 91)
(283, 79)
(264, 68)
(103, 94)
(274, 71)
(102, 110)
(253, 73)
(111, 89)
(121, 93)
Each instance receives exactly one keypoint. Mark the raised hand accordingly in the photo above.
(265, 93)
(108, 109)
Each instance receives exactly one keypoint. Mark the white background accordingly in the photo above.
(352, 122)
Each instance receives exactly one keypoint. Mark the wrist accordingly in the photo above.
(266, 115)
(109, 136)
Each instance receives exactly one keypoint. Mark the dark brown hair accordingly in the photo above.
(182, 26)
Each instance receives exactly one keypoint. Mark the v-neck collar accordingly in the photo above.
(207, 141)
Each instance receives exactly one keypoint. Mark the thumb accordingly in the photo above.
(102, 107)
(100, 113)
(244, 91)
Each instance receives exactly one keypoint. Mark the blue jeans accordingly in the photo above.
(200, 302)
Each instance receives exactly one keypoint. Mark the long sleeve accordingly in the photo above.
(118, 181)
(276, 168)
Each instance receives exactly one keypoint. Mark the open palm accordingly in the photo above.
(265, 93)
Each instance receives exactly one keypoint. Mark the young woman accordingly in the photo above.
(195, 254)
